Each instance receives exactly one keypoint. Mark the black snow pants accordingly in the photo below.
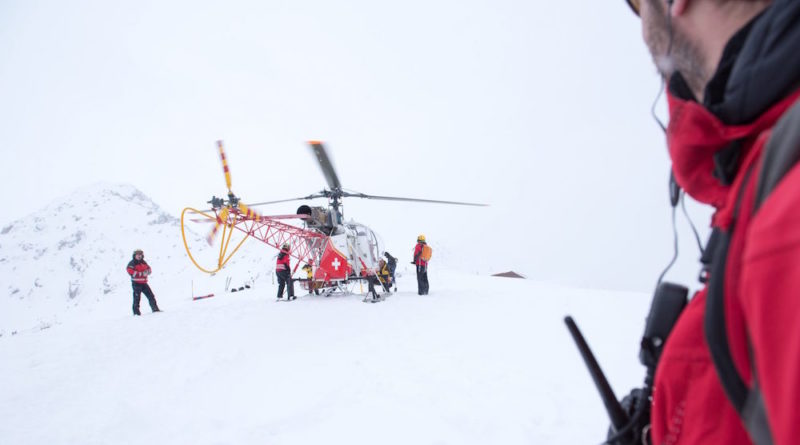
(392, 268)
(371, 281)
(285, 281)
(138, 289)
(422, 280)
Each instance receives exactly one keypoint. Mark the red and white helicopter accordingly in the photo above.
(340, 252)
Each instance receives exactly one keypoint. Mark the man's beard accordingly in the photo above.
(674, 52)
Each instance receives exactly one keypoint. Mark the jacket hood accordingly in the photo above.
(755, 83)
(695, 136)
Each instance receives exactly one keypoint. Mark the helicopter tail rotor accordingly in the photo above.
(249, 213)
(222, 219)
(225, 168)
(233, 202)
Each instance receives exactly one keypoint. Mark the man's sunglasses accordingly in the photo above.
(634, 4)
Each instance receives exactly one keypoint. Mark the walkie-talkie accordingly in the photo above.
(630, 419)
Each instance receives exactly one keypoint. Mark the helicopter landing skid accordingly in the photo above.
(377, 299)
(338, 289)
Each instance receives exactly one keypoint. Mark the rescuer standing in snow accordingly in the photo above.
(284, 271)
(139, 270)
(421, 258)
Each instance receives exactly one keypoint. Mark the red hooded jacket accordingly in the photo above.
(762, 272)
(283, 262)
(138, 270)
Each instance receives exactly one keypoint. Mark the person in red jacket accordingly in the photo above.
(284, 271)
(732, 70)
(422, 266)
(139, 270)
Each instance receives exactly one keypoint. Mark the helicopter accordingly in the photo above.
(339, 252)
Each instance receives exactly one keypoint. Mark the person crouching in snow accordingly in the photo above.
(384, 275)
(139, 270)
(312, 287)
(284, 272)
(372, 280)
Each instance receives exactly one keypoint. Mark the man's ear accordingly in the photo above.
(677, 7)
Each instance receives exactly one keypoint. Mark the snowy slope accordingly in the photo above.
(480, 360)
(70, 257)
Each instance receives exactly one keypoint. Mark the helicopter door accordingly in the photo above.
(355, 254)
(365, 245)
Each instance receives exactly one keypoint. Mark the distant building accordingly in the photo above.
(509, 274)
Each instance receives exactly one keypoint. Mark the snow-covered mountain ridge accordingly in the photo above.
(71, 256)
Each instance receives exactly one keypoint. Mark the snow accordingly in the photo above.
(480, 360)
(69, 258)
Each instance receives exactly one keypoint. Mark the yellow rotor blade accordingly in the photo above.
(222, 218)
(249, 213)
(225, 168)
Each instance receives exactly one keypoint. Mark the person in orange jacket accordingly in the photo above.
(139, 270)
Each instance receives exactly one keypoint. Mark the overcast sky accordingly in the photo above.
(538, 108)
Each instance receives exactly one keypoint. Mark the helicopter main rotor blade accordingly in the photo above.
(393, 198)
(287, 200)
(325, 165)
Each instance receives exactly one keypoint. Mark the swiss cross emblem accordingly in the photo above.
(335, 263)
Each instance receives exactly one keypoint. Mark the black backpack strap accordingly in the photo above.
(754, 416)
(781, 154)
(715, 327)
(743, 399)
